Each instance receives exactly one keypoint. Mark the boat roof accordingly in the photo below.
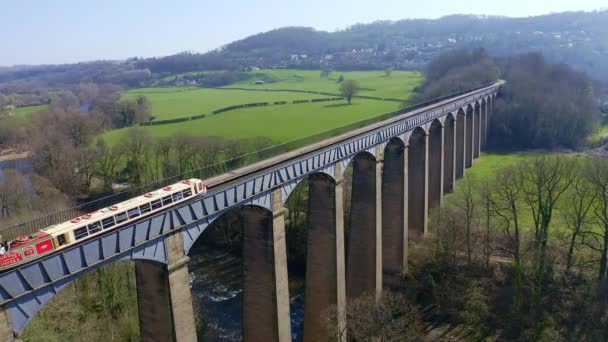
(97, 215)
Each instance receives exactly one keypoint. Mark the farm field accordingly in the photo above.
(178, 102)
(399, 85)
(21, 116)
(280, 123)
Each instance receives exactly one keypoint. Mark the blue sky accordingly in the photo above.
(65, 31)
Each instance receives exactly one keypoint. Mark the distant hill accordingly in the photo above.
(579, 39)
(576, 38)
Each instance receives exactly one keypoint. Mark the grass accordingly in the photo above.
(279, 123)
(485, 169)
(598, 136)
(177, 102)
(399, 85)
(22, 116)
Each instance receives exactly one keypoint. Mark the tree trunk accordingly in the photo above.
(604, 257)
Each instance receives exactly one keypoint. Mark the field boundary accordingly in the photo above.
(235, 107)
(313, 92)
(135, 91)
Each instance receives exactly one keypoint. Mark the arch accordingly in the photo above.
(435, 171)
(461, 143)
(394, 231)
(476, 129)
(469, 137)
(417, 183)
(449, 153)
(250, 228)
(361, 221)
(24, 308)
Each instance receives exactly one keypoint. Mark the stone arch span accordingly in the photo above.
(461, 143)
(435, 163)
(477, 130)
(470, 127)
(449, 153)
(248, 231)
(484, 124)
(25, 307)
(417, 183)
(394, 228)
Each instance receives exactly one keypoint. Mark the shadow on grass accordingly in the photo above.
(337, 105)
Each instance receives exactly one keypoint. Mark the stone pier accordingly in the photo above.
(265, 288)
(393, 213)
(164, 298)
(361, 259)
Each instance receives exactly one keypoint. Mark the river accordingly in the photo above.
(23, 165)
(217, 291)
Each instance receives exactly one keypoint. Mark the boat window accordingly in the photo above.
(156, 204)
(108, 222)
(61, 240)
(177, 196)
(80, 233)
(187, 192)
(94, 227)
(133, 213)
(122, 217)
(167, 200)
(145, 208)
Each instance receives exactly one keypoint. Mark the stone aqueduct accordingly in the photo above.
(401, 168)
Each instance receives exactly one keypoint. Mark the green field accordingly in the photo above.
(178, 102)
(598, 136)
(485, 169)
(29, 110)
(22, 116)
(399, 85)
(279, 123)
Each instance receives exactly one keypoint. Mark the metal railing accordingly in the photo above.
(209, 171)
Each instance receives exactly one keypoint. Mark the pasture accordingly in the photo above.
(281, 123)
(177, 102)
(398, 85)
(22, 116)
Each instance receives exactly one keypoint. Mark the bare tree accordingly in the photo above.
(486, 201)
(107, 163)
(507, 194)
(597, 175)
(466, 202)
(580, 198)
(348, 89)
(544, 180)
(391, 318)
(136, 147)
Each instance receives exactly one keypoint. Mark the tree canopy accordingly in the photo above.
(348, 88)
